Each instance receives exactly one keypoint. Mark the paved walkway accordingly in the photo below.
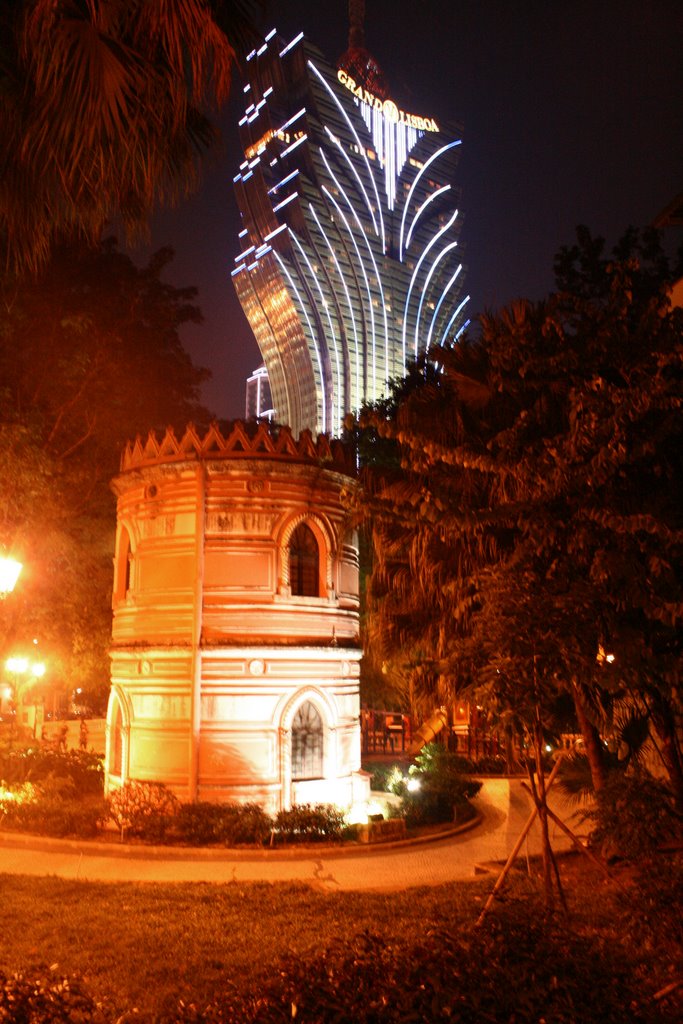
(502, 804)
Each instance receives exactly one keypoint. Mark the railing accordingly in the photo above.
(384, 732)
(390, 732)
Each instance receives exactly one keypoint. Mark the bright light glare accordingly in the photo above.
(548, 748)
(9, 574)
(38, 669)
(413, 785)
(359, 814)
(16, 664)
(609, 658)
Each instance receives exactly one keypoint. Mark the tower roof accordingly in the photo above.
(362, 67)
(357, 61)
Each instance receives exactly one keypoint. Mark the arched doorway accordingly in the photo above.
(117, 729)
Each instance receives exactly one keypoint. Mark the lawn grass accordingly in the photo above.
(148, 946)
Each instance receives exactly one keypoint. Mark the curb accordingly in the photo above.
(128, 851)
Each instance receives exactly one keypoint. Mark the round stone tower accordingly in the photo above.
(235, 653)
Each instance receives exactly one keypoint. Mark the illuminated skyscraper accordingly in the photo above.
(349, 264)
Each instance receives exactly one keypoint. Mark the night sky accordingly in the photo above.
(572, 113)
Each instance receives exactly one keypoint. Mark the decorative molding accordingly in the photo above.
(158, 526)
(241, 521)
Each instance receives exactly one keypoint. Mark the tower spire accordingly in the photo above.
(357, 61)
(356, 24)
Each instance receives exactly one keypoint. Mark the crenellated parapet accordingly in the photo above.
(254, 440)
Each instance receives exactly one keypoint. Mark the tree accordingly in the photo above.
(105, 111)
(530, 521)
(90, 356)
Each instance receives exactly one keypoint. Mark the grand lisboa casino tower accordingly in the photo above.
(349, 263)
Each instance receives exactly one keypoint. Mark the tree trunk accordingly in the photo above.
(664, 722)
(591, 740)
(540, 799)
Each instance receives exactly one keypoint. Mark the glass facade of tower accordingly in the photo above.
(349, 264)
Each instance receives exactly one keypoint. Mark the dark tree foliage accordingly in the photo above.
(90, 356)
(526, 502)
(106, 111)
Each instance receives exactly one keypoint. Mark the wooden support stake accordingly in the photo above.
(580, 846)
(516, 848)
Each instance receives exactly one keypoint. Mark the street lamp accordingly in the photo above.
(18, 666)
(9, 574)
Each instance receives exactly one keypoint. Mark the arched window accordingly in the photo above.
(116, 743)
(129, 565)
(124, 565)
(304, 563)
(307, 743)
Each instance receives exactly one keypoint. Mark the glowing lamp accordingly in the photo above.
(17, 665)
(9, 574)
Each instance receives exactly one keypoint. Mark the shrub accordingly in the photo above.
(83, 768)
(47, 1000)
(52, 808)
(143, 809)
(656, 905)
(203, 823)
(309, 823)
(50, 816)
(517, 968)
(633, 815)
(462, 764)
(436, 790)
(380, 776)
(245, 823)
(199, 823)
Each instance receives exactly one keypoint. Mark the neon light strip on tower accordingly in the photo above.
(377, 275)
(349, 304)
(446, 248)
(311, 334)
(361, 149)
(323, 301)
(425, 252)
(439, 304)
(418, 176)
(452, 319)
(355, 173)
(361, 264)
(430, 197)
(289, 46)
